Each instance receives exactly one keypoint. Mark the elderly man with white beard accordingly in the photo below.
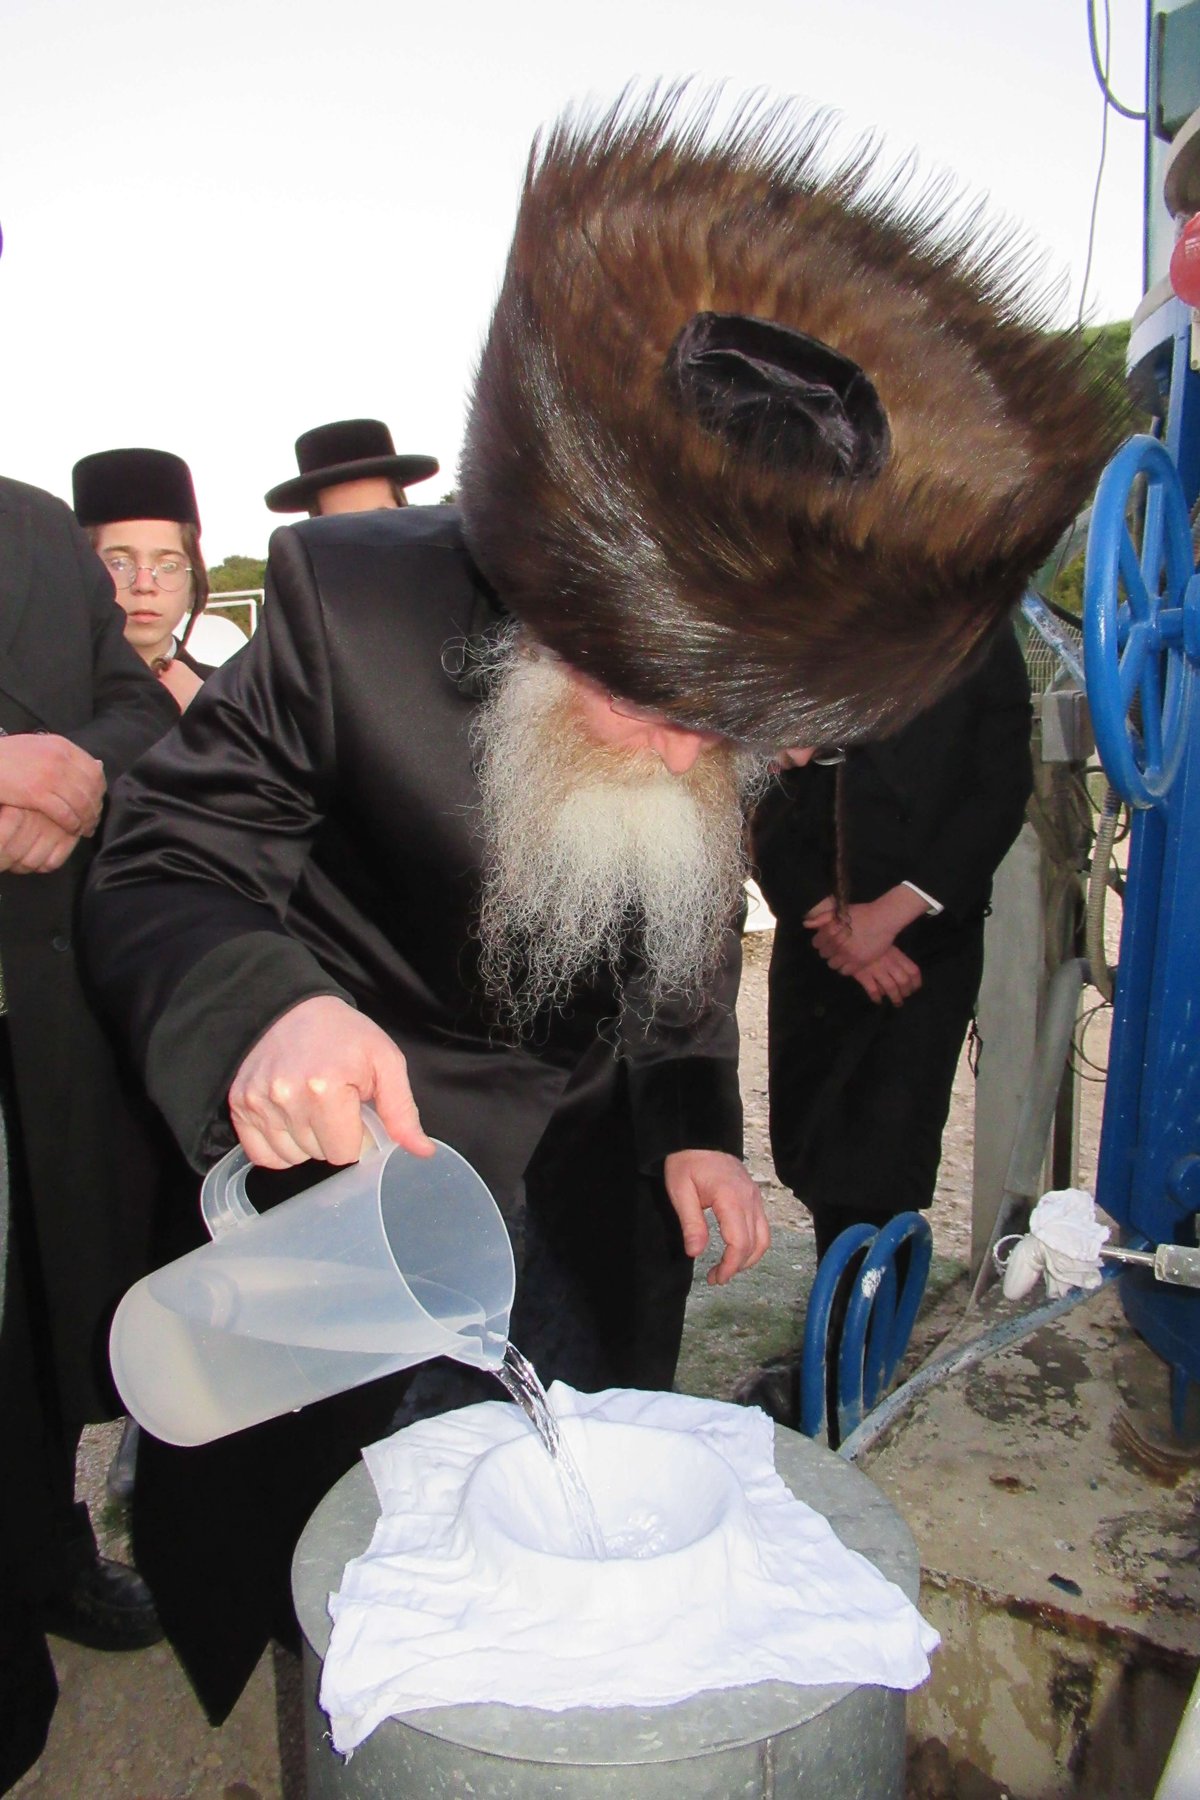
(755, 461)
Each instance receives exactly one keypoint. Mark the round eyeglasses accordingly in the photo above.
(169, 573)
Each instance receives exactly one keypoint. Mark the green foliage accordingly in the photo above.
(1067, 587)
(1109, 345)
(240, 614)
(237, 573)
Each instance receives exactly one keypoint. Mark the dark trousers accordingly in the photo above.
(45, 1536)
(859, 1092)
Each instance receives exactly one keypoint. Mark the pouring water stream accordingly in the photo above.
(519, 1376)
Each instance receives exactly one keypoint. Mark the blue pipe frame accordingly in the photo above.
(1141, 654)
(878, 1321)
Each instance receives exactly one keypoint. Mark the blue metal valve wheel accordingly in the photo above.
(1140, 626)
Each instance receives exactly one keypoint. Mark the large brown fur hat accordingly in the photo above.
(672, 480)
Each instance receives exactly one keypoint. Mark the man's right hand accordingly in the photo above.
(300, 1091)
(52, 775)
(892, 976)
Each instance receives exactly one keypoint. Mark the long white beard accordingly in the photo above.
(592, 850)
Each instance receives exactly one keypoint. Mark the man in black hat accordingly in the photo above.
(462, 830)
(349, 467)
(76, 708)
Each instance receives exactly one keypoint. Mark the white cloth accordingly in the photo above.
(427, 1618)
(1063, 1245)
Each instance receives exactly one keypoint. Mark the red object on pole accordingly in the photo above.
(1185, 262)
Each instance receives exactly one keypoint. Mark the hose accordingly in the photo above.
(1000, 1337)
(1022, 1180)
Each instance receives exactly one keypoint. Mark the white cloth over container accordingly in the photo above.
(430, 1616)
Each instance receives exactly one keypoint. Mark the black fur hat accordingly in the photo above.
(347, 450)
(133, 484)
(767, 447)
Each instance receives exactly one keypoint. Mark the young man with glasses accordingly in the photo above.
(139, 510)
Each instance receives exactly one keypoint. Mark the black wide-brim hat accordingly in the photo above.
(348, 450)
(133, 484)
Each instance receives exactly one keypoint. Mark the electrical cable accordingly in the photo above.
(1078, 1043)
(1126, 112)
(1102, 78)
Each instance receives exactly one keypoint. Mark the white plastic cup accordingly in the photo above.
(388, 1262)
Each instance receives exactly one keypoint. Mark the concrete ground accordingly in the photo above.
(1059, 1553)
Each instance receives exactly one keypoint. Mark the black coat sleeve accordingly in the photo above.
(684, 1072)
(792, 840)
(956, 862)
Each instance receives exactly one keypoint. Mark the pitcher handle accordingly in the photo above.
(224, 1203)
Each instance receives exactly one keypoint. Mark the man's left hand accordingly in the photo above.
(32, 844)
(700, 1181)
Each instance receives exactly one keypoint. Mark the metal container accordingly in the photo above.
(767, 1742)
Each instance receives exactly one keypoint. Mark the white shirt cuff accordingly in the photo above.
(932, 906)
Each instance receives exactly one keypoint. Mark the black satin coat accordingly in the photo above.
(859, 1092)
(309, 828)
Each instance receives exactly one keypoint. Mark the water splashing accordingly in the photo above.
(520, 1377)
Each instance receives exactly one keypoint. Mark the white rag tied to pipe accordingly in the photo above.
(1063, 1245)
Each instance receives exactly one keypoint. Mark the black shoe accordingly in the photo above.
(107, 1607)
(119, 1480)
(775, 1388)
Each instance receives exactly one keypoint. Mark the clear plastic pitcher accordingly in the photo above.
(388, 1262)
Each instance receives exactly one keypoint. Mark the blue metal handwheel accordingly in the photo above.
(1141, 623)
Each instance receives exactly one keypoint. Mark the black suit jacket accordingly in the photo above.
(859, 1091)
(938, 804)
(65, 668)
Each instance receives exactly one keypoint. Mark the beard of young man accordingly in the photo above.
(593, 850)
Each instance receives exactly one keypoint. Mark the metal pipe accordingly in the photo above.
(1000, 1337)
(1025, 1162)
(1052, 633)
(1180, 1780)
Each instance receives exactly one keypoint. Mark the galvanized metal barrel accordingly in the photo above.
(767, 1742)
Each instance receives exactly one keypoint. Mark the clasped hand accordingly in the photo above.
(51, 795)
(860, 943)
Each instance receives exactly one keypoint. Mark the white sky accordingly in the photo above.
(226, 221)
